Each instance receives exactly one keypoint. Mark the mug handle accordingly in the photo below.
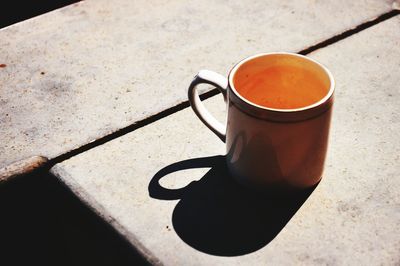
(221, 83)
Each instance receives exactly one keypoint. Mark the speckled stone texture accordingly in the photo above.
(351, 218)
(86, 70)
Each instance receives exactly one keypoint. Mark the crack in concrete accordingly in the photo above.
(350, 32)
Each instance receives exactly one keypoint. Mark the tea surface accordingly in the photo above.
(281, 87)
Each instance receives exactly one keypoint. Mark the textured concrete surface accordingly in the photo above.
(351, 218)
(81, 72)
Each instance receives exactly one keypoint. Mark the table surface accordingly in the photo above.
(82, 72)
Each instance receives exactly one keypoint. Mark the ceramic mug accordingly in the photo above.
(270, 149)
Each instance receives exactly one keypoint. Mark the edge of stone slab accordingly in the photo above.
(22, 167)
(100, 211)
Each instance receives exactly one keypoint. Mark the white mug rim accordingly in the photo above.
(304, 108)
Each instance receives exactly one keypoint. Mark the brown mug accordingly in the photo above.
(270, 149)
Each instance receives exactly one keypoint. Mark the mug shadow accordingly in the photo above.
(217, 216)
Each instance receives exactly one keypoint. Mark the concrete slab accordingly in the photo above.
(351, 218)
(81, 72)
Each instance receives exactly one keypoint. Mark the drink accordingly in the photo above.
(280, 86)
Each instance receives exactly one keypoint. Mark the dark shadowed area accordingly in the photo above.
(19, 10)
(43, 223)
(217, 216)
